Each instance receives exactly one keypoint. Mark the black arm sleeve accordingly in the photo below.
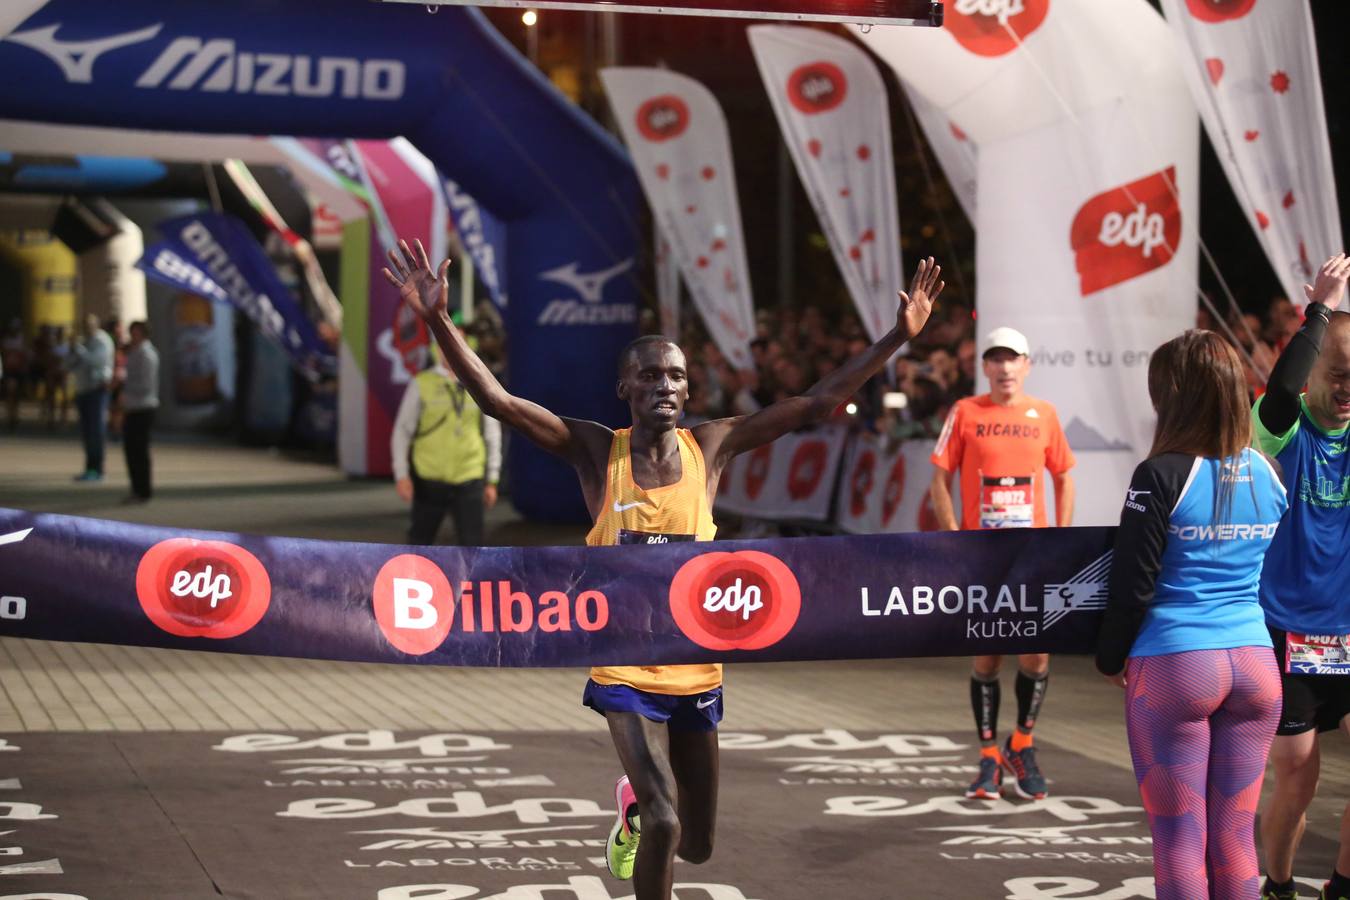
(1154, 490)
(1279, 407)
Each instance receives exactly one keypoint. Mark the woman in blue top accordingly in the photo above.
(1202, 690)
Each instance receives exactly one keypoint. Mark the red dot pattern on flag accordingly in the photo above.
(864, 152)
(1279, 82)
(813, 147)
(663, 171)
(957, 132)
(708, 173)
(1262, 219)
(691, 209)
(1215, 69)
(1288, 199)
(1252, 135)
(703, 262)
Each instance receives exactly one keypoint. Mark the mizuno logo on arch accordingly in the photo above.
(216, 65)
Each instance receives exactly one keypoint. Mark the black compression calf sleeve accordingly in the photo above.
(984, 698)
(1280, 406)
(1030, 696)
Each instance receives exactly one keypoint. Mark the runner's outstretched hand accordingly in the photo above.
(426, 291)
(917, 305)
(1329, 286)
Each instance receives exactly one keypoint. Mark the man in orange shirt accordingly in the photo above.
(1003, 442)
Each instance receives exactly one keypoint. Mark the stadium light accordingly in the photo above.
(856, 12)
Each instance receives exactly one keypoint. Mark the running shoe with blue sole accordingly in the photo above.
(621, 851)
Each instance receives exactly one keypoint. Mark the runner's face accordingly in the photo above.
(655, 384)
(1006, 371)
(1329, 383)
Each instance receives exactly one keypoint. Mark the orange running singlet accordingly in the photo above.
(631, 515)
(1003, 452)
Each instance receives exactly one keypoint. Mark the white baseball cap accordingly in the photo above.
(1009, 339)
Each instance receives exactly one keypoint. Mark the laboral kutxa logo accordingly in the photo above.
(1008, 610)
(416, 607)
(210, 589)
(747, 600)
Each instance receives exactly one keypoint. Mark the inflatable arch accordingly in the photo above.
(448, 83)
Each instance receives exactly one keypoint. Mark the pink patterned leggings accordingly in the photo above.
(1200, 726)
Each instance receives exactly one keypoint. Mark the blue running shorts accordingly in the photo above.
(682, 712)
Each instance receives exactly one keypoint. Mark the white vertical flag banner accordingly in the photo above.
(1252, 69)
(831, 106)
(667, 286)
(677, 135)
(954, 149)
(1086, 204)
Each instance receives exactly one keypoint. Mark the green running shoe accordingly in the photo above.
(621, 851)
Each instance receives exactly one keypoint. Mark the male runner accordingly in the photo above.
(1003, 442)
(1307, 568)
(654, 479)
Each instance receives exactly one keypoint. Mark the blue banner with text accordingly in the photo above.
(858, 597)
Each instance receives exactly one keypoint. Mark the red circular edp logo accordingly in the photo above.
(994, 27)
(895, 490)
(413, 604)
(662, 118)
(1219, 10)
(861, 484)
(746, 600)
(807, 468)
(757, 470)
(817, 87)
(208, 589)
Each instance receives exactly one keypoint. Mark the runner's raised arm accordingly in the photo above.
(427, 292)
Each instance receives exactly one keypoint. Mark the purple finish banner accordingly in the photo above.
(869, 596)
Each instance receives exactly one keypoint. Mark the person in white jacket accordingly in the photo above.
(140, 399)
(91, 364)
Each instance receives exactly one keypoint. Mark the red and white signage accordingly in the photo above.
(792, 478)
(677, 135)
(209, 589)
(1124, 232)
(993, 27)
(832, 108)
(1252, 69)
(884, 489)
(746, 600)
(1086, 150)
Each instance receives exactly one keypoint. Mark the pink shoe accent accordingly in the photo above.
(624, 797)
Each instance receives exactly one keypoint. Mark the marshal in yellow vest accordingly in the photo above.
(632, 515)
(448, 446)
